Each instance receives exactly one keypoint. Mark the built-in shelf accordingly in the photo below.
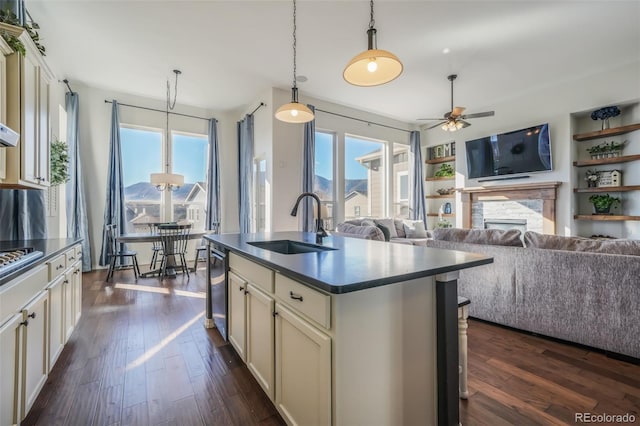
(604, 217)
(441, 160)
(580, 137)
(431, 197)
(429, 179)
(609, 189)
(443, 215)
(612, 160)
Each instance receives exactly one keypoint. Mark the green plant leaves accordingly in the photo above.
(59, 162)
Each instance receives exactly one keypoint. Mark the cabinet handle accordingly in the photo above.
(246, 292)
(241, 288)
(275, 314)
(25, 323)
(59, 267)
(76, 271)
(295, 296)
(65, 282)
(72, 258)
(32, 315)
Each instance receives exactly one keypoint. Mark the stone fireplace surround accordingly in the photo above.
(538, 199)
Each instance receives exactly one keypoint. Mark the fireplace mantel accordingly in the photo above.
(545, 191)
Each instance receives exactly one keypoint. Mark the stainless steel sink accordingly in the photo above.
(289, 246)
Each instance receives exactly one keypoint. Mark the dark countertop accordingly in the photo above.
(357, 264)
(50, 248)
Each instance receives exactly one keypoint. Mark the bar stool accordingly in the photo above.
(463, 315)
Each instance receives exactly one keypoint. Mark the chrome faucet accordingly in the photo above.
(320, 232)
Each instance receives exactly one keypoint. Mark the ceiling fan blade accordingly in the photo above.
(429, 119)
(464, 123)
(436, 125)
(457, 111)
(479, 115)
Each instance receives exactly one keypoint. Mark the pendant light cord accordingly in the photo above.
(295, 40)
(372, 22)
(171, 106)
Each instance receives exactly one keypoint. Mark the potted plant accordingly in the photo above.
(602, 203)
(445, 170)
(444, 223)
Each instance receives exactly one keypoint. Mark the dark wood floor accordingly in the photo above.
(141, 356)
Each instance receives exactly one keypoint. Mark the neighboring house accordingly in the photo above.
(356, 204)
(195, 204)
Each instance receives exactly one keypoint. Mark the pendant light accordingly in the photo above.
(166, 180)
(294, 111)
(372, 67)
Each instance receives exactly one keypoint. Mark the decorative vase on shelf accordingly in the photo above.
(604, 210)
(605, 124)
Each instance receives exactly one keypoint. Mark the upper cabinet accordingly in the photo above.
(27, 111)
(4, 51)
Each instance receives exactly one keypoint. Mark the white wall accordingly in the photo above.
(94, 126)
(553, 105)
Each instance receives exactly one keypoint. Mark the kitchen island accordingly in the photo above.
(347, 332)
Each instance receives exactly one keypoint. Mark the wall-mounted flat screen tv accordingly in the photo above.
(521, 151)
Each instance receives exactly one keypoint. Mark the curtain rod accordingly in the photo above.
(65, 81)
(360, 119)
(257, 108)
(158, 110)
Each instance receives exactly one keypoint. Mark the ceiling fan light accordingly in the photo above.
(372, 67)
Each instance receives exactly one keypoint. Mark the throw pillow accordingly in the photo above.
(558, 242)
(388, 223)
(399, 224)
(495, 237)
(367, 222)
(415, 229)
(366, 232)
(385, 231)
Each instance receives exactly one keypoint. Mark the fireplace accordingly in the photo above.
(531, 206)
(505, 224)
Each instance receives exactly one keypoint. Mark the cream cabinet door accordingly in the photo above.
(57, 334)
(260, 335)
(237, 314)
(3, 110)
(10, 369)
(69, 314)
(34, 359)
(29, 136)
(76, 290)
(43, 146)
(303, 370)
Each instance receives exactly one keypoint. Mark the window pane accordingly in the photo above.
(364, 178)
(401, 181)
(323, 180)
(141, 156)
(189, 158)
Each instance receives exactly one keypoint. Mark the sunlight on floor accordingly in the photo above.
(139, 287)
(157, 348)
(196, 294)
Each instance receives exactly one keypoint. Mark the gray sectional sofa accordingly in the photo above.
(369, 229)
(579, 290)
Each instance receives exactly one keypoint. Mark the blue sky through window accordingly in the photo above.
(190, 157)
(354, 148)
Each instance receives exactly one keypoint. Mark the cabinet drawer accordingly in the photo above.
(71, 256)
(78, 250)
(252, 272)
(16, 293)
(57, 266)
(308, 301)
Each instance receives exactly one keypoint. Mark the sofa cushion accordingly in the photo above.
(495, 237)
(367, 232)
(388, 223)
(558, 242)
(385, 231)
(415, 229)
(399, 224)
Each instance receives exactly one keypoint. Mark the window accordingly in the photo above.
(259, 195)
(364, 177)
(401, 181)
(356, 211)
(142, 154)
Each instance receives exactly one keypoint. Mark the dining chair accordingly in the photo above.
(114, 253)
(174, 239)
(156, 246)
(215, 229)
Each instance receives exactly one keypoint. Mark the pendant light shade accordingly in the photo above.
(169, 181)
(374, 66)
(294, 111)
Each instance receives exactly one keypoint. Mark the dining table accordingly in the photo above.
(154, 237)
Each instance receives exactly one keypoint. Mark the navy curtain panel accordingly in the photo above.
(417, 209)
(23, 214)
(114, 211)
(77, 224)
(308, 172)
(245, 165)
(213, 178)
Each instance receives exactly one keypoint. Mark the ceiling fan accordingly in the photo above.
(455, 119)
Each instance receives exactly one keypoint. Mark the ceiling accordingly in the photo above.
(231, 52)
